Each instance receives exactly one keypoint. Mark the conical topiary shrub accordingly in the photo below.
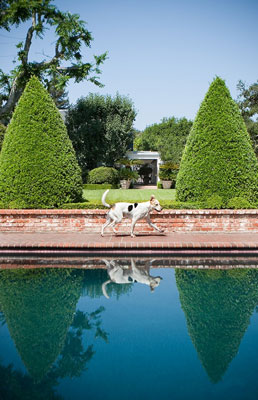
(38, 166)
(218, 157)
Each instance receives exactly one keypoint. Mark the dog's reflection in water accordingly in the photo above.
(123, 274)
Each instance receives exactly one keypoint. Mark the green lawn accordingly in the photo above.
(130, 195)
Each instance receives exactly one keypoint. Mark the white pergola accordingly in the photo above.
(148, 157)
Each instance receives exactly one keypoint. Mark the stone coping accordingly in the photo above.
(103, 212)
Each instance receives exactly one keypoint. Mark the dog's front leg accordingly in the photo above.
(133, 225)
(153, 225)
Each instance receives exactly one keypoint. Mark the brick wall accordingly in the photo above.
(91, 221)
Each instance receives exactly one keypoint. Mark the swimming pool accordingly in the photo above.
(129, 328)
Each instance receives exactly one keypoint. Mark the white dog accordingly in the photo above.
(130, 274)
(134, 211)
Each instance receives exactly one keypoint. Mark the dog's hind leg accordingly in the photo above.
(116, 219)
(113, 226)
(109, 221)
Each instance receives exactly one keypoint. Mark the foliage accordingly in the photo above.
(218, 157)
(214, 202)
(248, 104)
(168, 171)
(239, 202)
(100, 128)
(38, 167)
(66, 63)
(217, 306)
(58, 94)
(128, 162)
(103, 175)
(98, 186)
(2, 133)
(128, 174)
(167, 137)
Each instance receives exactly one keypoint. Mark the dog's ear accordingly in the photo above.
(152, 197)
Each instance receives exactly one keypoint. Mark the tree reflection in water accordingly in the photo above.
(218, 306)
(39, 307)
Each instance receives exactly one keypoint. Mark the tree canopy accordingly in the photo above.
(248, 104)
(101, 129)
(167, 137)
(65, 63)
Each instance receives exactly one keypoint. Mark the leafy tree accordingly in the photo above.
(248, 104)
(168, 138)
(2, 133)
(71, 37)
(218, 157)
(100, 128)
(217, 306)
(38, 166)
(58, 94)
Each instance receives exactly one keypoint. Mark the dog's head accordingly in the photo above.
(154, 282)
(155, 203)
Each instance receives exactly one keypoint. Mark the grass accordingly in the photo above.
(131, 195)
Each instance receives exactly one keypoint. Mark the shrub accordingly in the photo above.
(38, 167)
(238, 203)
(98, 186)
(214, 202)
(168, 171)
(103, 175)
(81, 206)
(218, 156)
(128, 174)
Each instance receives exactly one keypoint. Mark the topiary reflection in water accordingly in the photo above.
(218, 306)
(39, 307)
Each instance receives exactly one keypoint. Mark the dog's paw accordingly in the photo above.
(132, 235)
(162, 230)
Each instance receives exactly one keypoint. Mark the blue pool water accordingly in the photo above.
(70, 333)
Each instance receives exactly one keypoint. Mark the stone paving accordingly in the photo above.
(123, 243)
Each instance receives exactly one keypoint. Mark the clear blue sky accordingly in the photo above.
(163, 54)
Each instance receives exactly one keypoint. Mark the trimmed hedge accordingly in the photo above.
(218, 157)
(213, 203)
(38, 166)
(103, 175)
(98, 186)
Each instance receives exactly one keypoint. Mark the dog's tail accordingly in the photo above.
(104, 288)
(104, 199)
